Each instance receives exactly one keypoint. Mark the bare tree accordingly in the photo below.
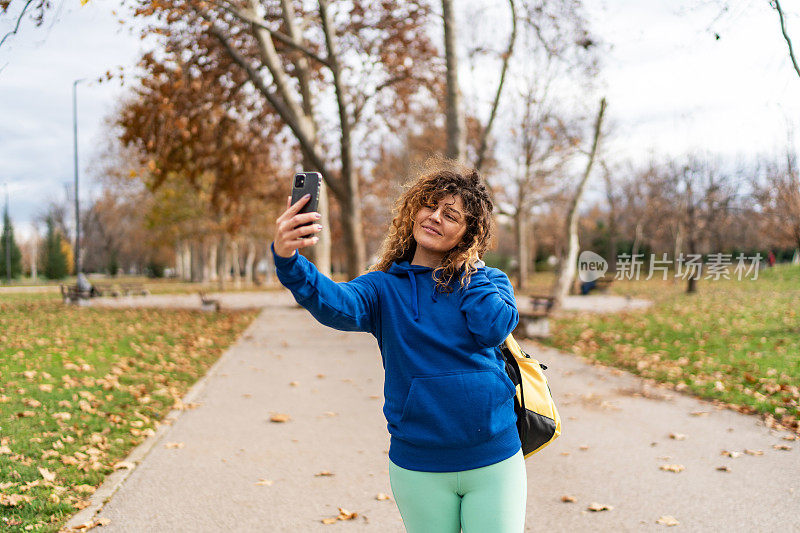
(456, 129)
(777, 6)
(566, 273)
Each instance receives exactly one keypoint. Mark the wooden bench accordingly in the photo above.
(106, 289)
(130, 289)
(71, 294)
(208, 304)
(602, 284)
(534, 321)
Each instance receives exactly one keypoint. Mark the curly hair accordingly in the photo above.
(440, 177)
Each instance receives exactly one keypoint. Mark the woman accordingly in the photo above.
(437, 312)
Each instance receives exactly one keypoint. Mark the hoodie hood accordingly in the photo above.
(404, 268)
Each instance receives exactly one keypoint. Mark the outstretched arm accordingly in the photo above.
(344, 306)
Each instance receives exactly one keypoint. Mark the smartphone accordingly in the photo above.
(307, 183)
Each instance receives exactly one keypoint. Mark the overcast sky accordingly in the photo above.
(672, 87)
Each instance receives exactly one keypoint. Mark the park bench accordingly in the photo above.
(604, 283)
(130, 289)
(601, 284)
(71, 294)
(106, 289)
(208, 304)
(534, 321)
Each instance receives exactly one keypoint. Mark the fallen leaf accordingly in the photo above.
(784, 447)
(125, 464)
(330, 413)
(280, 418)
(381, 496)
(12, 500)
(320, 376)
(344, 514)
(667, 520)
(174, 445)
(294, 383)
(672, 468)
(91, 524)
(84, 489)
(596, 507)
(323, 473)
(569, 499)
(699, 413)
(677, 436)
(754, 452)
(723, 468)
(267, 482)
(47, 475)
(732, 455)
(584, 447)
(329, 520)
(564, 453)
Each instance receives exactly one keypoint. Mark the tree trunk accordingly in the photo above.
(237, 273)
(207, 265)
(249, 261)
(496, 103)
(353, 236)
(456, 130)
(677, 250)
(637, 238)
(221, 261)
(349, 202)
(196, 261)
(521, 230)
(611, 251)
(212, 259)
(567, 271)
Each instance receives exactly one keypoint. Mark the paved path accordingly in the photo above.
(615, 437)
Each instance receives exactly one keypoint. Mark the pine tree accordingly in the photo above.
(7, 240)
(55, 263)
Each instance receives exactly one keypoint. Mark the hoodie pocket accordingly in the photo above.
(457, 409)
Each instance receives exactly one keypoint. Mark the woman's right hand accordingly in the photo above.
(288, 236)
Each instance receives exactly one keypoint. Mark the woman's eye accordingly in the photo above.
(451, 217)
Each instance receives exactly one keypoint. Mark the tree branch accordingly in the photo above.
(777, 5)
(280, 108)
(16, 27)
(285, 39)
(496, 103)
(359, 107)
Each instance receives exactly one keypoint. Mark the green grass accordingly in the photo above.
(80, 387)
(734, 341)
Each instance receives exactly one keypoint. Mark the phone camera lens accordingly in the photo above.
(299, 180)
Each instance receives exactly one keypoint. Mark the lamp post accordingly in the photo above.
(77, 207)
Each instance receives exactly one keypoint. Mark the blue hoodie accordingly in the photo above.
(448, 402)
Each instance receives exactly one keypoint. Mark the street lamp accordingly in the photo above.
(77, 208)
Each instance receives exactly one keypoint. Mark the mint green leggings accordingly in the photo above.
(490, 499)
